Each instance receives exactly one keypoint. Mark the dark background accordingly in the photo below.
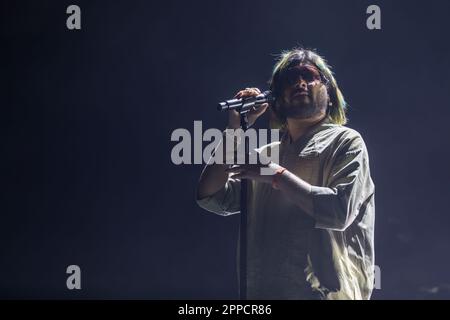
(86, 119)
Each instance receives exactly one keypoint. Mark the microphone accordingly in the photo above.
(244, 105)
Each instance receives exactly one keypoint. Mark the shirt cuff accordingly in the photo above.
(326, 209)
(214, 203)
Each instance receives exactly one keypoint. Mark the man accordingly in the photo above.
(311, 224)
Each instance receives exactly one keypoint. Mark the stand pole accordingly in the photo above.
(243, 220)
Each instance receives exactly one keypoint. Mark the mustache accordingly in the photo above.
(300, 91)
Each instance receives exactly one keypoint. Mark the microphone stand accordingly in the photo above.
(243, 220)
(243, 106)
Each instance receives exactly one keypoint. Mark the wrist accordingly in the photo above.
(279, 171)
(233, 126)
(234, 120)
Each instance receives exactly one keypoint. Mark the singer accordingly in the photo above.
(311, 224)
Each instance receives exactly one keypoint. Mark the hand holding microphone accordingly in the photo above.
(250, 100)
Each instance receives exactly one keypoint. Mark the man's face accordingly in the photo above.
(304, 94)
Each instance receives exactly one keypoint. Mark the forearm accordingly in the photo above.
(212, 179)
(296, 190)
(214, 175)
(331, 208)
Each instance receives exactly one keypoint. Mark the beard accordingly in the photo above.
(308, 108)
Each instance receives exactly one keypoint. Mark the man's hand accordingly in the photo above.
(253, 172)
(233, 116)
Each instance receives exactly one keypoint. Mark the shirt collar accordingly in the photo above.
(323, 124)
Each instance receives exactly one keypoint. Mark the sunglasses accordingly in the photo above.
(305, 72)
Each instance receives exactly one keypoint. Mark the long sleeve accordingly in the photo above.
(224, 202)
(348, 186)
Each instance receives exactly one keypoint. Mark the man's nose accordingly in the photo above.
(301, 83)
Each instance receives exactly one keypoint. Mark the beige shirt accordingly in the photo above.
(292, 255)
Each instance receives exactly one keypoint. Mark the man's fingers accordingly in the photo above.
(239, 176)
(235, 169)
(247, 174)
(244, 175)
(260, 110)
(248, 92)
(254, 90)
(243, 167)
